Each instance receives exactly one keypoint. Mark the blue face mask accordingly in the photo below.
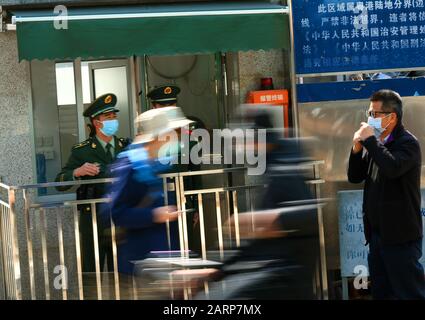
(110, 127)
(376, 123)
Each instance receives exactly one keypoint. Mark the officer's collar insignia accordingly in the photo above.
(120, 143)
(168, 90)
(108, 99)
(93, 145)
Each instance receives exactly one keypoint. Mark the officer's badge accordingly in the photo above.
(93, 145)
(168, 90)
(108, 99)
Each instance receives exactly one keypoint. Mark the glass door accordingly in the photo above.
(114, 77)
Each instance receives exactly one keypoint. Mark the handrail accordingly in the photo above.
(4, 204)
(5, 186)
(306, 164)
(63, 184)
(109, 180)
(68, 203)
(221, 189)
(201, 172)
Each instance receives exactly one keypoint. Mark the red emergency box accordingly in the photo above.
(279, 98)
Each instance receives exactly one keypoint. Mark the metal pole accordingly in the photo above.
(2, 253)
(115, 260)
(78, 253)
(16, 262)
(184, 216)
(62, 256)
(79, 98)
(236, 218)
(179, 219)
(295, 119)
(44, 252)
(27, 219)
(219, 226)
(202, 227)
(167, 224)
(7, 247)
(96, 251)
(321, 238)
(228, 216)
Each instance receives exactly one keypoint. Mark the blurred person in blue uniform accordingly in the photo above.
(137, 206)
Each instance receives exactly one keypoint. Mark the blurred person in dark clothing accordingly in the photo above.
(277, 260)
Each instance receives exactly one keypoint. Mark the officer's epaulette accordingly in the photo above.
(81, 144)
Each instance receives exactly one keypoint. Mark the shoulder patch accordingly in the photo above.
(81, 144)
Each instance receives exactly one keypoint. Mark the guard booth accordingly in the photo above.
(126, 50)
(345, 51)
(132, 49)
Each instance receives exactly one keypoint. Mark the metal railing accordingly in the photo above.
(35, 235)
(9, 245)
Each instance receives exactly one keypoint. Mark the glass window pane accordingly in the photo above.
(86, 82)
(65, 84)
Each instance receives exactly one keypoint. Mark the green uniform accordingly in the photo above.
(95, 151)
(92, 151)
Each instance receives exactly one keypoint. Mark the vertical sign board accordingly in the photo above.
(353, 251)
(340, 35)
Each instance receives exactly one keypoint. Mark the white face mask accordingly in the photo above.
(376, 123)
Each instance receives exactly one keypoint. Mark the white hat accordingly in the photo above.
(155, 122)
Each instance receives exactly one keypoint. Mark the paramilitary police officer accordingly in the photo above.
(164, 96)
(90, 160)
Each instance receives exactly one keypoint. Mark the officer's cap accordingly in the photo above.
(103, 104)
(164, 94)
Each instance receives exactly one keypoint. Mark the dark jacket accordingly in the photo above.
(290, 272)
(391, 198)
